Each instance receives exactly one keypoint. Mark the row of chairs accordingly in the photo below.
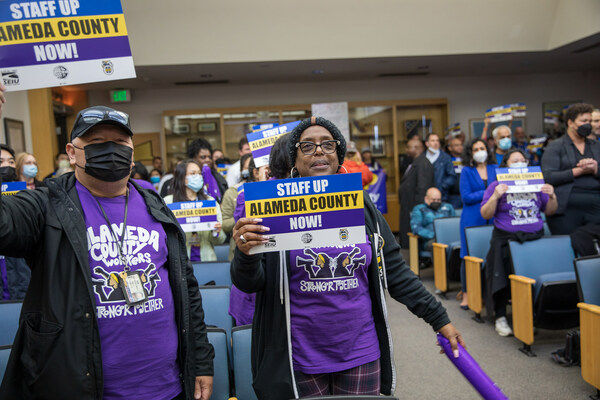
(546, 286)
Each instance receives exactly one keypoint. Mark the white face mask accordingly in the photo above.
(480, 156)
(518, 165)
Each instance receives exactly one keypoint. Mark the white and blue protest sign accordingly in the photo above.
(377, 190)
(195, 216)
(62, 42)
(11, 188)
(536, 143)
(551, 116)
(308, 212)
(521, 180)
(499, 113)
(519, 110)
(223, 168)
(261, 142)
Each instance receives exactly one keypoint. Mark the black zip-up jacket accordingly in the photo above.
(56, 353)
(271, 348)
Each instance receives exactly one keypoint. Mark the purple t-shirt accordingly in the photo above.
(331, 316)
(4, 277)
(241, 306)
(139, 343)
(517, 211)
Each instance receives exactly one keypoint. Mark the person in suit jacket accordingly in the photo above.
(419, 177)
(570, 164)
(478, 172)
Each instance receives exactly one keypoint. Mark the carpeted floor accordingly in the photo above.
(423, 373)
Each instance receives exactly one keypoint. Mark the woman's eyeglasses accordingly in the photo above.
(310, 148)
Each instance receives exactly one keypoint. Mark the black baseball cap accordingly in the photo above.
(96, 115)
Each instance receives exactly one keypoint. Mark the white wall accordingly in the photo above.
(218, 31)
(17, 107)
(468, 97)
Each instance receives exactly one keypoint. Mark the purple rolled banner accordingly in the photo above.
(472, 371)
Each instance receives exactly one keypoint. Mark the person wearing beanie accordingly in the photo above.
(296, 354)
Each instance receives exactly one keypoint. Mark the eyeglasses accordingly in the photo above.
(310, 148)
(93, 116)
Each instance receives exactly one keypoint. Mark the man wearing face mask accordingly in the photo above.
(503, 141)
(113, 310)
(570, 164)
(443, 170)
(422, 216)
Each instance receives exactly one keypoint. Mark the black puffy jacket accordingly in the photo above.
(56, 353)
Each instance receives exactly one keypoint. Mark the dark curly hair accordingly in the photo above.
(576, 109)
(197, 145)
(307, 123)
(467, 156)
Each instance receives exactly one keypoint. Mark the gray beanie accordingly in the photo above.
(325, 123)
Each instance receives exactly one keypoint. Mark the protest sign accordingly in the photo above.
(519, 110)
(521, 180)
(536, 143)
(308, 212)
(62, 42)
(195, 216)
(377, 190)
(551, 116)
(500, 113)
(261, 142)
(453, 130)
(222, 169)
(11, 188)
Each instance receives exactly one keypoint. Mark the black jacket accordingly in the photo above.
(414, 184)
(56, 353)
(271, 368)
(558, 160)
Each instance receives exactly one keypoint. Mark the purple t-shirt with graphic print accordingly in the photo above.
(518, 211)
(139, 343)
(332, 321)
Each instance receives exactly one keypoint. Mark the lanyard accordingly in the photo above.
(119, 244)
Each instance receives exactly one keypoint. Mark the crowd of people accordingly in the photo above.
(570, 197)
(98, 255)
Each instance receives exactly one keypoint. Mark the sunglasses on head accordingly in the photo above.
(94, 116)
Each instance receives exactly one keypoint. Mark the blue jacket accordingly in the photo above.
(444, 175)
(421, 218)
(471, 192)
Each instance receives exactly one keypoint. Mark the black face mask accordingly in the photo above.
(108, 161)
(584, 130)
(435, 205)
(8, 174)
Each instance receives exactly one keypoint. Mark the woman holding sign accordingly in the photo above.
(517, 216)
(188, 185)
(320, 325)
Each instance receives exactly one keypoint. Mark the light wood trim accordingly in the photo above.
(522, 307)
(473, 275)
(413, 247)
(43, 129)
(589, 325)
(589, 307)
(396, 149)
(439, 266)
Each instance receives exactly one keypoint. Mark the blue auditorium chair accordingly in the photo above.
(215, 303)
(241, 337)
(9, 320)
(447, 243)
(222, 252)
(543, 287)
(4, 354)
(218, 272)
(218, 338)
(587, 270)
(478, 245)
